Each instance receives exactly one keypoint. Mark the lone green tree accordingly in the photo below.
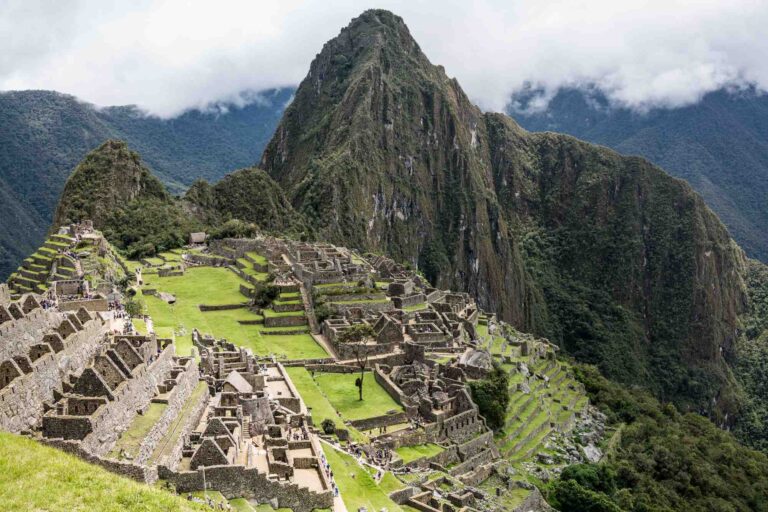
(491, 395)
(134, 307)
(357, 337)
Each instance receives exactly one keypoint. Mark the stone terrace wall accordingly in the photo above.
(285, 321)
(89, 304)
(21, 402)
(187, 382)
(380, 421)
(374, 307)
(116, 416)
(476, 445)
(17, 336)
(241, 482)
(472, 463)
(5, 294)
(171, 460)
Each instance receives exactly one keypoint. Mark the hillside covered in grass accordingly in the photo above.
(36, 477)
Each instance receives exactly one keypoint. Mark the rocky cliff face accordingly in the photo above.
(616, 261)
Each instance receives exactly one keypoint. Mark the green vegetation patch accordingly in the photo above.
(219, 286)
(36, 477)
(411, 453)
(342, 394)
(358, 489)
(257, 258)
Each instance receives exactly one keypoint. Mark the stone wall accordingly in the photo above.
(411, 300)
(380, 421)
(389, 386)
(208, 260)
(17, 336)
(476, 445)
(132, 395)
(479, 475)
(402, 495)
(171, 460)
(21, 402)
(187, 381)
(285, 321)
(220, 307)
(284, 308)
(483, 457)
(89, 304)
(375, 307)
(239, 482)
(5, 294)
(349, 350)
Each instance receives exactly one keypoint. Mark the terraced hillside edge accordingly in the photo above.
(605, 255)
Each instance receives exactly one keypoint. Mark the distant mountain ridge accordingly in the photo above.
(719, 145)
(46, 134)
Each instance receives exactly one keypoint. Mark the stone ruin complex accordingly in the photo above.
(233, 421)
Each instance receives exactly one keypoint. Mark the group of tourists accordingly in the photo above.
(329, 474)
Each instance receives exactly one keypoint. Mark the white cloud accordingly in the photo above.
(170, 55)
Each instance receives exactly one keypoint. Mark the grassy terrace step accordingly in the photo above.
(411, 453)
(47, 251)
(256, 258)
(541, 419)
(521, 423)
(290, 295)
(342, 394)
(522, 408)
(281, 302)
(42, 258)
(329, 286)
(531, 447)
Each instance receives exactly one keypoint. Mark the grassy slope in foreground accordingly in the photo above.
(36, 477)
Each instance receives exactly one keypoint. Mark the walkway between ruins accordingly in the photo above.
(338, 502)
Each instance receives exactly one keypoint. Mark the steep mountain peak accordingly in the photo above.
(606, 255)
(107, 178)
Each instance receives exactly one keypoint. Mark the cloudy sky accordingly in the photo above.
(170, 55)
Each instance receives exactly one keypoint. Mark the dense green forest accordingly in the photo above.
(660, 460)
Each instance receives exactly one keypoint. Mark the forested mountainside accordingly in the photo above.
(608, 256)
(113, 188)
(719, 145)
(45, 134)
